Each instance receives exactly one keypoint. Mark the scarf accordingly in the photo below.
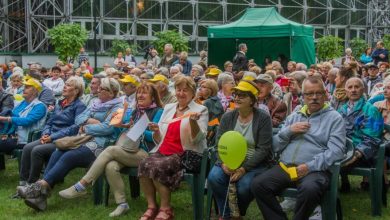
(225, 100)
(99, 106)
(139, 111)
(340, 94)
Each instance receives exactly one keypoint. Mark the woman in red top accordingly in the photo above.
(182, 127)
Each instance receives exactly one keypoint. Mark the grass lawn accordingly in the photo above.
(355, 205)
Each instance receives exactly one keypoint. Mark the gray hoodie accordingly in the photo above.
(320, 147)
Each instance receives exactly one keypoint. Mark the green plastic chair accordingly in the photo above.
(375, 177)
(329, 201)
(196, 182)
(99, 183)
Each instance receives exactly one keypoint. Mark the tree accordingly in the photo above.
(179, 42)
(329, 47)
(358, 47)
(386, 41)
(120, 46)
(67, 40)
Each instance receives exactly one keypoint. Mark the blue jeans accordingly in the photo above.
(61, 162)
(218, 181)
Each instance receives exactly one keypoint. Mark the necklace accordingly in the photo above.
(181, 109)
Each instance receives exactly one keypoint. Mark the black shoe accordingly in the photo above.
(365, 186)
(39, 203)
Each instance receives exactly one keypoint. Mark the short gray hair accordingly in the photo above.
(223, 78)
(169, 46)
(354, 78)
(299, 76)
(333, 71)
(301, 66)
(241, 46)
(16, 75)
(111, 84)
(313, 80)
(78, 83)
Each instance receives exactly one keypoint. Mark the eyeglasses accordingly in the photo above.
(312, 94)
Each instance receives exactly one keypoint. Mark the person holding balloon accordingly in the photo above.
(180, 132)
(244, 142)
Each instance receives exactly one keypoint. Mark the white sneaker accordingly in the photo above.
(71, 193)
(120, 210)
(288, 204)
(317, 214)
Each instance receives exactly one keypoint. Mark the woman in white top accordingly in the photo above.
(55, 83)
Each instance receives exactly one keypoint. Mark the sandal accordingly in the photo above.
(168, 212)
(150, 214)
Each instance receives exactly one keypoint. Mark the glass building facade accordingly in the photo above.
(24, 24)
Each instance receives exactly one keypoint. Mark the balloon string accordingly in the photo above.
(226, 197)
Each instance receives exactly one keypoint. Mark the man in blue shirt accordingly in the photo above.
(380, 54)
(183, 60)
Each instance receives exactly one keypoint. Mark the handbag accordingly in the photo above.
(72, 142)
(191, 161)
(127, 144)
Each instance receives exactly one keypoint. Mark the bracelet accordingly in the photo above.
(9, 119)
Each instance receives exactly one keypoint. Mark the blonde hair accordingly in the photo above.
(212, 85)
(111, 84)
(78, 83)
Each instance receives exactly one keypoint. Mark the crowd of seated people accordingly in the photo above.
(189, 107)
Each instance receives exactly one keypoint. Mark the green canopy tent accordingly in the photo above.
(266, 33)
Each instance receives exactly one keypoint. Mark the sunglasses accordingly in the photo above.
(240, 95)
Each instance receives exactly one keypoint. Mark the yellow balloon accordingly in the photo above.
(232, 148)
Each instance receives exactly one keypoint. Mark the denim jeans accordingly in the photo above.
(218, 181)
(61, 162)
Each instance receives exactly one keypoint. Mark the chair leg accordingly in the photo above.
(134, 187)
(209, 203)
(2, 162)
(197, 207)
(107, 193)
(384, 192)
(375, 193)
(98, 191)
(339, 210)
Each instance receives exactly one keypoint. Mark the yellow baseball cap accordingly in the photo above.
(34, 83)
(27, 77)
(247, 86)
(159, 77)
(88, 75)
(214, 72)
(129, 79)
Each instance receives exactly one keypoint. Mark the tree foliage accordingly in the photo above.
(386, 41)
(179, 42)
(358, 46)
(329, 47)
(121, 46)
(67, 40)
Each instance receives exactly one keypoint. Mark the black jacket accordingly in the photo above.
(240, 62)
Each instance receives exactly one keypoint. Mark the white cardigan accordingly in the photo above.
(198, 143)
